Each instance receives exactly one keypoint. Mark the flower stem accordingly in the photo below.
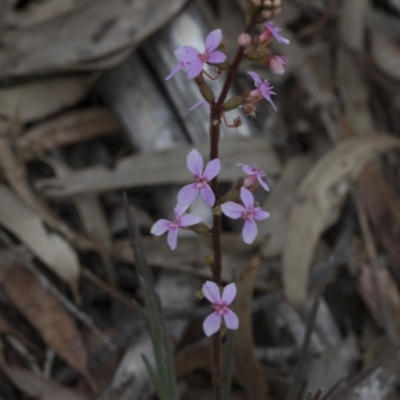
(215, 121)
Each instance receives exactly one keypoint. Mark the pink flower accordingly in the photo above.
(264, 90)
(247, 212)
(277, 64)
(220, 304)
(189, 192)
(194, 61)
(255, 176)
(180, 221)
(272, 31)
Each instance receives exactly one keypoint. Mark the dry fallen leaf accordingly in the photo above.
(66, 129)
(38, 387)
(31, 101)
(49, 247)
(318, 202)
(149, 169)
(49, 317)
(87, 33)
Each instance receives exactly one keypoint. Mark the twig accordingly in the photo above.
(48, 364)
(111, 290)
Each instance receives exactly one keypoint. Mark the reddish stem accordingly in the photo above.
(215, 121)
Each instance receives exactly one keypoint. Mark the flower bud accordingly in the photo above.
(236, 101)
(277, 64)
(200, 228)
(205, 89)
(237, 122)
(244, 40)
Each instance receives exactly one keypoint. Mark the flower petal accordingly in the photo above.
(180, 209)
(172, 238)
(231, 320)
(249, 232)
(188, 194)
(260, 214)
(175, 70)
(212, 324)
(160, 227)
(232, 210)
(211, 292)
(187, 54)
(229, 294)
(189, 219)
(213, 40)
(267, 95)
(246, 197)
(194, 162)
(207, 195)
(200, 103)
(255, 77)
(216, 57)
(262, 183)
(212, 169)
(194, 68)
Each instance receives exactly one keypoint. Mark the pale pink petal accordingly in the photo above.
(211, 292)
(229, 294)
(207, 195)
(255, 77)
(212, 324)
(267, 95)
(200, 103)
(189, 219)
(216, 57)
(212, 169)
(194, 162)
(231, 320)
(246, 197)
(188, 194)
(172, 238)
(232, 210)
(249, 232)
(160, 227)
(194, 68)
(180, 209)
(175, 70)
(247, 169)
(213, 40)
(260, 214)
(187, 54)
(262, 183)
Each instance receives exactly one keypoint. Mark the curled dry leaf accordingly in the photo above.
(93, 31)
(49, 247)
(318, 202)
(48, 316)
(66, 129)
(31, 101)
(38, 387)
(150, 169)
